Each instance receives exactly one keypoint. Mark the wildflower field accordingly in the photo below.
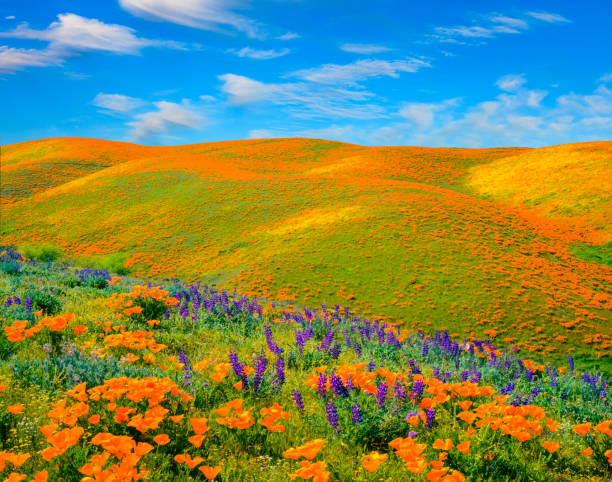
(111, 378)
(296, 309)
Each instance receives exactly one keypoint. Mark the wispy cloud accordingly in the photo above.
(548, 17)
(117, 102)
(511, 118)
(511, 82)
(351, 74)
(365, 49)
(303, 99)
(75, 33)
(288, 36)
(72, 34)
(202, 14)
(166, 116)
(489, 26)
(12, 59)
(606, 77)
(258, 54)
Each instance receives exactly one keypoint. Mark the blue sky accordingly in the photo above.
(463, 74)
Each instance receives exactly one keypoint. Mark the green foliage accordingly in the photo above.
(71, 367)
(114, 262)
(601, 253)
(41, 252)
(44, 300)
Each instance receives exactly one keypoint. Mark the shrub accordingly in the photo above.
(11, 261)
(113, 263)
(44, 300)
(42, 252)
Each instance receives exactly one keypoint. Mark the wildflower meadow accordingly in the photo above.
(109, 377)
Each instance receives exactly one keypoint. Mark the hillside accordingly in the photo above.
(445, 238)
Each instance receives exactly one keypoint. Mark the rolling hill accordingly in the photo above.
(482, 242)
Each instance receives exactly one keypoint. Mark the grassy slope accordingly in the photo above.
(394, 232)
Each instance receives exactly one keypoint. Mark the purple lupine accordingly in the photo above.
(476, 378)
(357, 349)
(356, 414)
(334, 351)
(238, 369)
(349, 383)
(261, 364)
(381, 394)
(430, 417)
(347, 338)
(300, 340)
(414, 367)
(16, 300)
(280, 372)
(8, 302)
(412, 433)
(417, 390)
(507, 389)
(371, 366)
(299, 402)
(28, 303)
(327, 340)
(338, 387)
(332, 416)
(272, 346)
(322, 385)
(400, 393)
(186, 368)
(425, 350)
(570, 360)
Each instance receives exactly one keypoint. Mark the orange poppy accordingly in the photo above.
(583, 428)
(372, 461)
(551, 447)
(161, 439)
(464, 447)
(15, 409)
(210, 472)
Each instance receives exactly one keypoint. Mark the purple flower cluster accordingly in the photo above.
(261, 363)
(381, 394)
(417, 390)
(332, 416)
(272, 346)
(280, 372)
(238, 369)
(299, 402)
(356, 414)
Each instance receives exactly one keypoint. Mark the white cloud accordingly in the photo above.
(263, 134)
(516, 118)
(510, 21)
(548, 17)
(12, 59)
(257, 54)
(117, 102)
(288, 36)
(365, 49)
(422, 113)
(75, 33)
(10, 17)
(491, 26)
(511, 82)
(202, 14)
(167, 117)
(303, 99)
(350, 74)
(464, 31)
(606, 77)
